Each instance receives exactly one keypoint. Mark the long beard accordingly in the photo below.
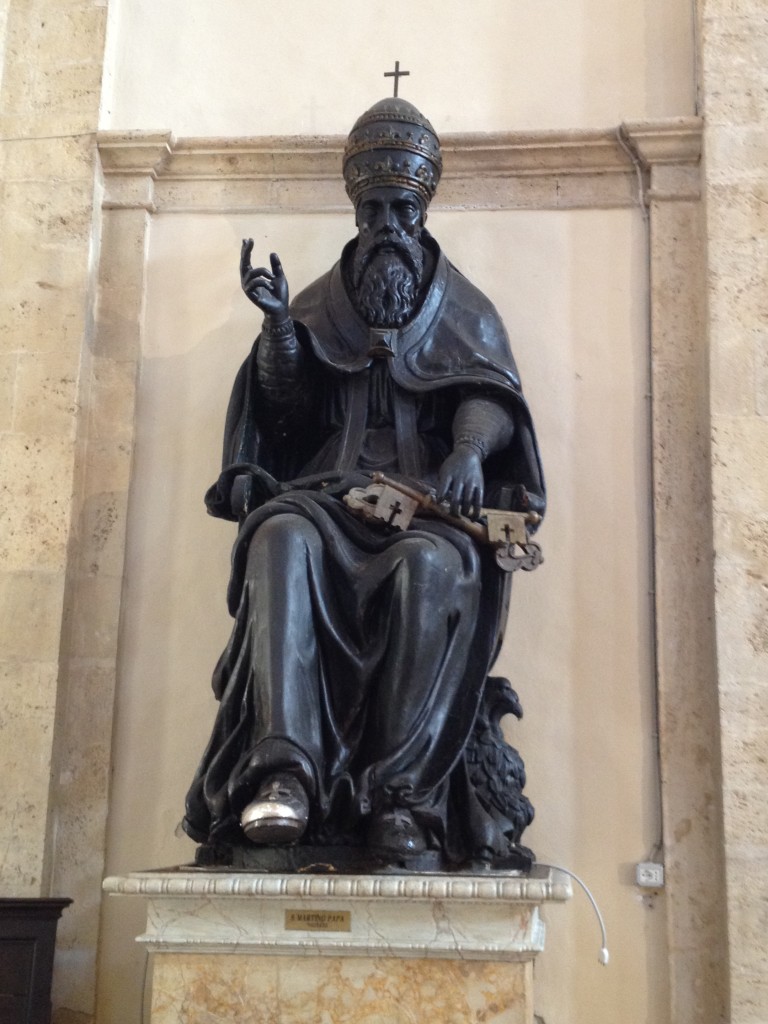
(387, 282)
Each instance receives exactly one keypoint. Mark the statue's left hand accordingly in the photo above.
(461, 481)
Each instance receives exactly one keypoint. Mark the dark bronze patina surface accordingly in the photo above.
(376, 418)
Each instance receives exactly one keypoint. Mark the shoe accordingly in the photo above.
(396, 834)
(279, 813)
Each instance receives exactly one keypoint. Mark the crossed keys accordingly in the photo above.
(391, 503)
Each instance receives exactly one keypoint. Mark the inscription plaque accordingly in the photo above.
(318, 920)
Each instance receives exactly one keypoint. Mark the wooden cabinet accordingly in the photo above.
(27, 941)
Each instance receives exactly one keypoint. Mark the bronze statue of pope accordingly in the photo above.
(358, 667)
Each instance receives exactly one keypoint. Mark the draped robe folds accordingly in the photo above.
(358, 655)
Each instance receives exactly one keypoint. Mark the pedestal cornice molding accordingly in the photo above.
(497, 170)
(540, 886)
(412, 916)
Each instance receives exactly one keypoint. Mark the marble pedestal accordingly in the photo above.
(342, 949)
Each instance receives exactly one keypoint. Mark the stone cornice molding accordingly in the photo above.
(131, 162)
(135, 152)
(467, 917)
(498, 170)
(673, 141)
(670, 153)
(542, 885)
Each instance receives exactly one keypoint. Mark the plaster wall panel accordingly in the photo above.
(578, 640)
(307, 69)
(671, 150)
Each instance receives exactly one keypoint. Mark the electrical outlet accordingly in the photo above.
(649, 875)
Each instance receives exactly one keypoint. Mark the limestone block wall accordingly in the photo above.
(49, 104)
(63, 474)
(734, 90)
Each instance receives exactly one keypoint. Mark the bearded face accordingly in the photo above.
(388, 264)
(387, 278)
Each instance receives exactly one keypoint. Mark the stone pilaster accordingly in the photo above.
(669, 160)
(97, 557)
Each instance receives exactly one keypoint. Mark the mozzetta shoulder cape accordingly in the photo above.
(456, 341)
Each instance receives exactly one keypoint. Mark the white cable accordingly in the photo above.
(604, 956)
